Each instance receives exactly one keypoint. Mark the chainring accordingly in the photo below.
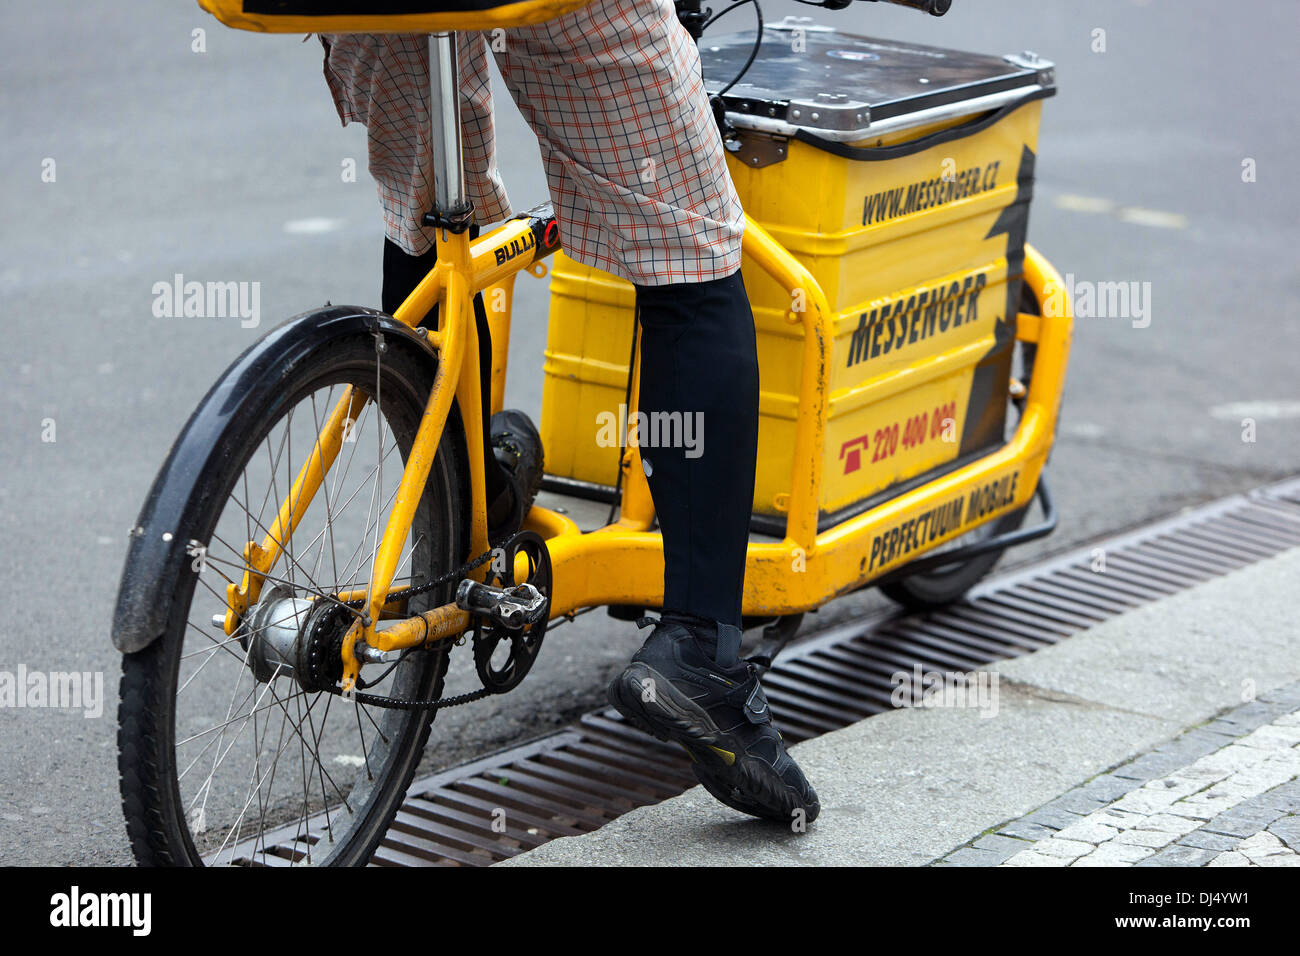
(524, 642)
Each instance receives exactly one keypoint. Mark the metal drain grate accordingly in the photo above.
(579, 779)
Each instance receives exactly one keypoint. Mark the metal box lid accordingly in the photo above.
(845, 87)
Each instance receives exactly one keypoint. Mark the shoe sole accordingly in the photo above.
(719, 762)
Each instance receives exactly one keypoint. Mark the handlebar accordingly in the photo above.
(694, 17)
(936, 8)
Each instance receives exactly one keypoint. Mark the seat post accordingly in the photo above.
(451, 206)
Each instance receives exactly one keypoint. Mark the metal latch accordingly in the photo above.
(1029, 60)
(757, 150)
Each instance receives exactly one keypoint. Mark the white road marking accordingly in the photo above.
(1153, 218)
(1083, 429)
(313, 226)
(1264, 411)
(1091, 204)
(1134, 215)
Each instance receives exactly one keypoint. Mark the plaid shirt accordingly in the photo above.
(633, 159)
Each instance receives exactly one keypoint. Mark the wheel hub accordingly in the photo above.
(297, 637)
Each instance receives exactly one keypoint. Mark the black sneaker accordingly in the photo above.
(518, 450)
(675, 690)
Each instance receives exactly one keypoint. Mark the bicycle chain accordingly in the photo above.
(416, 590)
(394, 703)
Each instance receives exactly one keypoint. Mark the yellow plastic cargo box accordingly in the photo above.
(901, 177)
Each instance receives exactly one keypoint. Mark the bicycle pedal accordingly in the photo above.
(513, 607)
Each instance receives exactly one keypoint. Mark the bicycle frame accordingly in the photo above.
(622, 563)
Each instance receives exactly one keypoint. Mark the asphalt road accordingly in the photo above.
(225, 165)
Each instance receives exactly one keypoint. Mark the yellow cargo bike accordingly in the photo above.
(316, 542)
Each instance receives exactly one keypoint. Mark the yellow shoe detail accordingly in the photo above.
(727, 756)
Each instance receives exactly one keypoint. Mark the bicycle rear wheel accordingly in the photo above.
(224, 755)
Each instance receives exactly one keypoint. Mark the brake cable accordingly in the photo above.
(758, 39)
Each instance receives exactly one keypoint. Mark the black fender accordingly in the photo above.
(157, 553)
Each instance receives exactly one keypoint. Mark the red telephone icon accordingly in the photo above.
(853, 449)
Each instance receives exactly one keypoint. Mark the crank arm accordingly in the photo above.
(775, 637)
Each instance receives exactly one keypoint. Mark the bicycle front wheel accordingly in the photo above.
(225, 756)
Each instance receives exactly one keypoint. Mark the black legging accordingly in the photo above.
(699, 359)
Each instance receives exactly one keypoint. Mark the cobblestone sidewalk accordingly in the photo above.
(1223, 794)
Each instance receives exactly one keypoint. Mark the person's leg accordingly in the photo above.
(632, 153)
(699, 381)
(382, 80)
(638, 176)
